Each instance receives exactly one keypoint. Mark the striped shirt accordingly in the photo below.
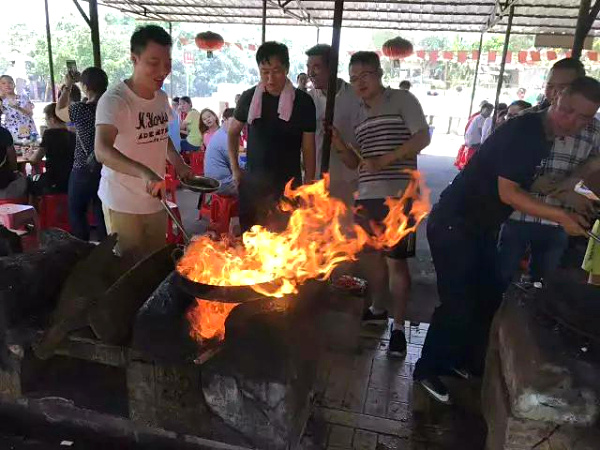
(382, 129)
(566, 155)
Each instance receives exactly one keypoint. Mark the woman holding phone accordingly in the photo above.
(85, 175)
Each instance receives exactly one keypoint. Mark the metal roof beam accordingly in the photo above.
(499, 12)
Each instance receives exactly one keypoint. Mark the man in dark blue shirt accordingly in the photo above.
(463, 226)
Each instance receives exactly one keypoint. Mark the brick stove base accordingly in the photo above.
(533, 394)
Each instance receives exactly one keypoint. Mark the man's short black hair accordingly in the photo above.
(405, 84)
(227, 113)
(486, 105)
(570, 64)
(587, 87)
(273, 49)
(186, 99)
(149, 33)
(175, 100)
(366, 58)
(300, 74)
(502, 107)
(95, 79)
(322, 50)
(521, 104)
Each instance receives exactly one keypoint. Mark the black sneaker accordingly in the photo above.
(369, 318)
(436, 388)
(397, 346)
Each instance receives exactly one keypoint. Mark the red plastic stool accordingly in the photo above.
(54, 211)
(204, 210)
(222, 209)
(174, 235)
(197, 162)
(14, 201)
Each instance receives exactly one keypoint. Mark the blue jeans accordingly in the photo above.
(83, 191)
(186, 147)
(465, 262)
(547, 244)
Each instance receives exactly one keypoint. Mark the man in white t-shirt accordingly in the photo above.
(132, 142)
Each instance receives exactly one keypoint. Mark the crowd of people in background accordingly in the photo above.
(109, 151)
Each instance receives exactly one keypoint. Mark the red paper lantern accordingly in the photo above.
(397, 48)
(210, 42)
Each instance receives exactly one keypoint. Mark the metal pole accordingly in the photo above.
(171, 74)
(476, 75)
(582, 29)
(95, 31)
(50, 60)
(264, 21)
(332, 84)
(503, 63)
(318, 34)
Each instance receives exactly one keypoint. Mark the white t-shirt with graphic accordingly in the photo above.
(143, 133)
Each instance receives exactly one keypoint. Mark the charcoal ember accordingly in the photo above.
(161, 331)
(261, 382)
(30, 283)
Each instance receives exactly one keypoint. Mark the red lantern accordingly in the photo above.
(397, 48)
(210, 42)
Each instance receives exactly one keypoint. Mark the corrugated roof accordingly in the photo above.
(531, 16)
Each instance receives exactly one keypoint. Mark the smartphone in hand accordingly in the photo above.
(72, 69)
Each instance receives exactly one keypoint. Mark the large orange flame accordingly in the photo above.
(311, 246)
(207, 319)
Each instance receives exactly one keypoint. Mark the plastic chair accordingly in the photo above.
(222, 209)
(174, 235)
(54, 211)
(197, 163)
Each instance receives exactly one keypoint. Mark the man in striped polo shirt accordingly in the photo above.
(390, 129)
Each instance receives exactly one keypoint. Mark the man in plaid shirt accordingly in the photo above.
(546, 240)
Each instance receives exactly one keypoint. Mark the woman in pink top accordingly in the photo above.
(209, 124)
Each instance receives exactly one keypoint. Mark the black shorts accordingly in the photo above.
(375, 210)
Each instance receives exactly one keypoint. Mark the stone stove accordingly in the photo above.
(254, 389)
(541, 387)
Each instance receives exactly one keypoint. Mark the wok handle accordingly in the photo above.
(176, 221)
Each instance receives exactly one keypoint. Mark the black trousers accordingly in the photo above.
(470, 293)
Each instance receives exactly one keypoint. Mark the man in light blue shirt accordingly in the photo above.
(216, 160)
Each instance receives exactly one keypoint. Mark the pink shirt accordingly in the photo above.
(206, 137)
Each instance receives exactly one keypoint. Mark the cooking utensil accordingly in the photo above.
(175, 220)
(595, 237)
(224, 294)
(204, 185)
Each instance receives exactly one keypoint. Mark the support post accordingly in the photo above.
(318, 34)
(50, 59)
(476, 74)
(264, 21)
(95, 32)
(584, 24)
(171, 74)
(503, 64)
(332, 84)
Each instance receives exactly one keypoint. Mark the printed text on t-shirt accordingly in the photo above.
(156, 124)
